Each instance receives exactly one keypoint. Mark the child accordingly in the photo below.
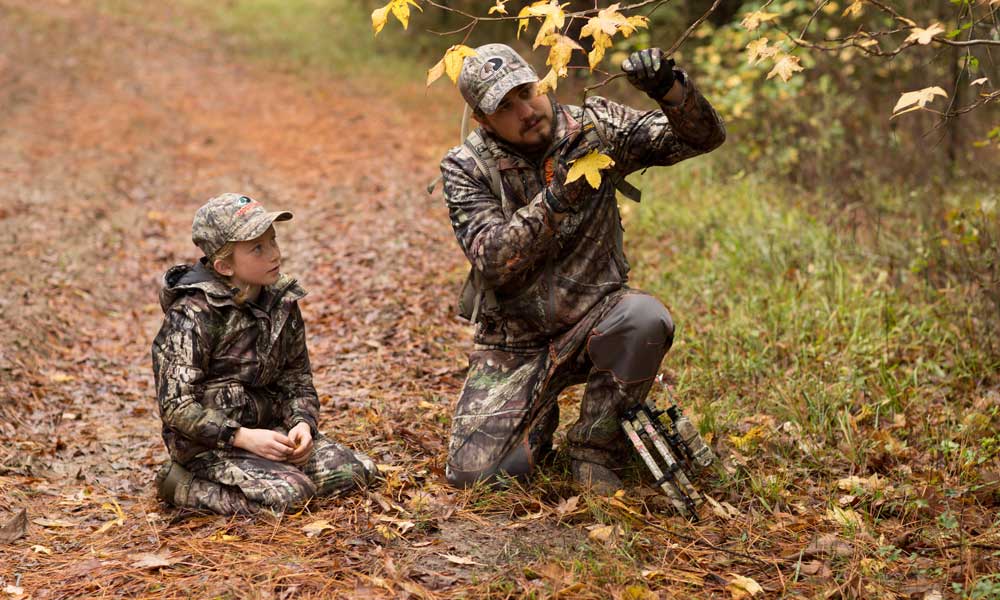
(233, 379)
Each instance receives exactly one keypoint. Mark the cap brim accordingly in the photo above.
(258, 225)
(499, 89)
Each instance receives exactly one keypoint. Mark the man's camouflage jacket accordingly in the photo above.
(546, 277)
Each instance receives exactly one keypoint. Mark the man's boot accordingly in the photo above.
(173, 484)
(595, 478)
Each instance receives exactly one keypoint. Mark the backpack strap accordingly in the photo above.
(627, 189)
(487, 165)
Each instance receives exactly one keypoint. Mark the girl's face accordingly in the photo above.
(256, 262)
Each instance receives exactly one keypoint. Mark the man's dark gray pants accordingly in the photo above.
(508, 409)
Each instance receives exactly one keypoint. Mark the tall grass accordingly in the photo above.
(782, 312)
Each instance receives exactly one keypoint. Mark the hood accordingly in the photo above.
(184, 279)
(181, 280)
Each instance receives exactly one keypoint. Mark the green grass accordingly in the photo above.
(781, 312)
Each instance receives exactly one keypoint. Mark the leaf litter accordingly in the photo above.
(98, 206)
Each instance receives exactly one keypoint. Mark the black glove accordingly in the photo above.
(650, 72)
(567, 197)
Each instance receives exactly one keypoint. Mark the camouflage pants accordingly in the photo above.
(508, 409)
(234, 481)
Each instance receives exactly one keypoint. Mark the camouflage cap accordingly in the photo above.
(231, 218)
(487, 77)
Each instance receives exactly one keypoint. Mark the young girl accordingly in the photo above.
(233, 379)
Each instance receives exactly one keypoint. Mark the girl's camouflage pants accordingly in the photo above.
(233, 481)
(508, 409)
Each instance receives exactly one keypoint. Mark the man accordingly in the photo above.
(548, 289)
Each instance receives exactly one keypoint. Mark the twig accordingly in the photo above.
(673, 47)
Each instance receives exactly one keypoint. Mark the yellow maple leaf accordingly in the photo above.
(753, 20)
(785, 66)
(601, 43)
(589, 166)
(451, 63)
(454, 58)
(553, 15)
(924, 36)
(758, 50)
(561, 49)
(399, 8)
(499, 8)
(604, 25)
(379, 18)
(916, 100)
(743, 587)
(855, 9)
(549, 83)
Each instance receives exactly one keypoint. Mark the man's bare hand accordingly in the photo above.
(265, 443)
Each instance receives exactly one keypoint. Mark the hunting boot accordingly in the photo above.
(173, 484)
(595, 478)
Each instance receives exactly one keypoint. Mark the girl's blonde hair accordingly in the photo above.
(225, 253)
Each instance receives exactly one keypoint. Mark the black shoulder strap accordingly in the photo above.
(627, 189)
(487, 164)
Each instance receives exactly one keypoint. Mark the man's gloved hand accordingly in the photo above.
(648, 70)
(565, 197)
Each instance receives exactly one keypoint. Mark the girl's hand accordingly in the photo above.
(264, 443)
(301, 437)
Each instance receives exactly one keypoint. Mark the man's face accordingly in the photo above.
(256, 262)
(522, 119)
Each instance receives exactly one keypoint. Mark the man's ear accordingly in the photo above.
(482, 122)
(222, 267)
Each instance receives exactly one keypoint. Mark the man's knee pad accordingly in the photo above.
(631, 340)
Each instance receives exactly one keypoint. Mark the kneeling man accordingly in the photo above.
(548, 287)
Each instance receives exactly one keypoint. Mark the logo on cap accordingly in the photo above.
(491, 67)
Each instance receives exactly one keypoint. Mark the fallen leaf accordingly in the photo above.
(567, 506)
(13, 590)
(316, 528)
(743, 587)
(15, 528)
(589, 166)
(723, 510)
(146, 560)
(41, 549)
(460, 560)
(828, 544)
(53, 522)
(218, 536)
(604, 533)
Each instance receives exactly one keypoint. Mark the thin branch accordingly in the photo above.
(673, 47)
(581, 13)
(693, 26)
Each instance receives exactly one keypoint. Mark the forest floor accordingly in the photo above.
(114, 130)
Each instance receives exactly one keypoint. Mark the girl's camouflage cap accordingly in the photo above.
(487, 77)
(231, 218)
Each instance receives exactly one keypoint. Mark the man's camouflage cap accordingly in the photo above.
(487, 77)
(231, 218)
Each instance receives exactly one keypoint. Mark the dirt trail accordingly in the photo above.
(113, 132)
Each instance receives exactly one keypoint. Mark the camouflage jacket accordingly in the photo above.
(219, 366)
(546, 277)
